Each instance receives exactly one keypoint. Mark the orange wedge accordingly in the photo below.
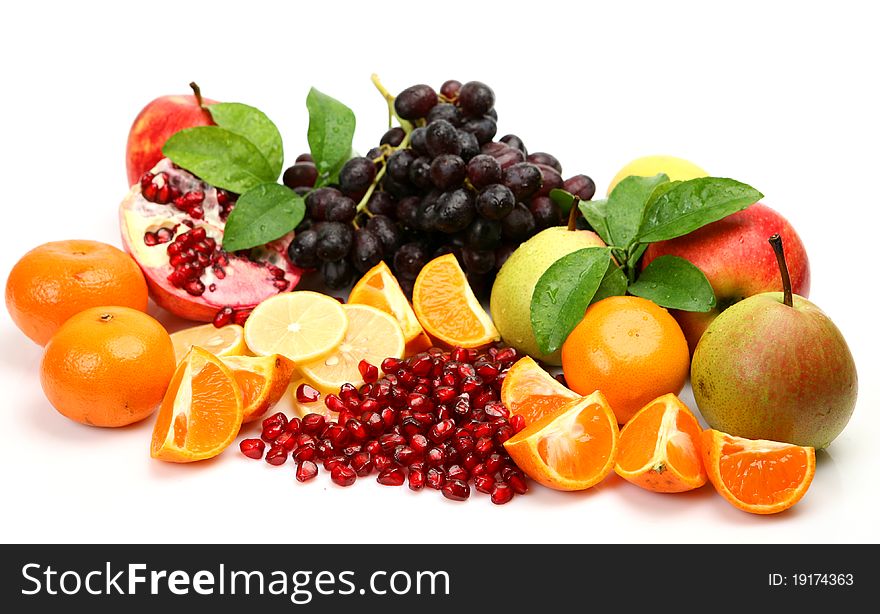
(756, 475)
(379, 288)
(201, 412)
(571, 448)
(659, 448)
(447, 308)
(262, 379)
(225, 341)
(530, 391)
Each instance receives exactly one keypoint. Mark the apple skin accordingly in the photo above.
(154, 124)
(764, 370)
(737, 260)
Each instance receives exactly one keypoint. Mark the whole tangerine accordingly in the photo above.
(630, 349)
(107, 366)
(58, 279)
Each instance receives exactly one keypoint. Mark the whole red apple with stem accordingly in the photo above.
(734, 255)
(775, 367)
(156, 122)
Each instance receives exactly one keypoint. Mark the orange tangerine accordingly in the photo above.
(530, 391)
(571, 448)
(201, 412)
(756, 475)
(660, 448)
(379, 288)
(447, 308)
(262, 379)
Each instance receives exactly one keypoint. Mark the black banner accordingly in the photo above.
(435, 578)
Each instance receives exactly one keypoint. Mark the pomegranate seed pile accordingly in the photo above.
(435, 419)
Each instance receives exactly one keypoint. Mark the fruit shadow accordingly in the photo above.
(39, 415)
(25, 360)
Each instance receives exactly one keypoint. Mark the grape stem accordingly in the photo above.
(362, 205)
(389, 98)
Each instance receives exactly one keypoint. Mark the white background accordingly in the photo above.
(780, 95)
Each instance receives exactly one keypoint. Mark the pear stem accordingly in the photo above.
(197, 91)
(573, 214)
(776, 242)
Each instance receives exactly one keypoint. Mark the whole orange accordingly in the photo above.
(630, 349)
(59, 279)
(107, 366)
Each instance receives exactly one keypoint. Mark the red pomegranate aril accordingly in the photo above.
(444, 394)
(272, 431)
(416, 479)
(356, 429)
(517, 482)
(484, 446)
(463, 443)
(277, 418)
(422, 365)
(276, 455)
(457, 472)
(369, 372)
(484, 483)
(241, 316)
(307, 394)
(223, 317)
(419, 443)
(304, 439)
(483, 429)
(362, 463)
(370, 405)
(410, 426)
(194, 287)
(150, 239)
(252, 448)
(494, 463)
(344, 416)
(444, 413)
(496, 409)
(351, 450)
(389, 441)
(306, 470)
(469, 460)
(456, 490)
(304, 452)
(389, 417)
(382, 462)
(441, 431)
(506, 356)
(286, 439)
(313, 424)
(334, 461)
(393, 476)
(471, 385)
(348, 391)
(517, 423)
(502, 493)
(466, 371)
(487, 372)
(435, 478)
(373, 447)
(343, 475)
(478, 469)
(373, 423)
(293, 426)
(391, 365)
(325, 449)
(462, 406)
(334, 403)
(460, 355)
(407, 379)
(504, 433)
(434, 457)
(404, 455)
(449, 379)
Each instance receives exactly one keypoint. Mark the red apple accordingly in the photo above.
(734, 255)
(155, 123)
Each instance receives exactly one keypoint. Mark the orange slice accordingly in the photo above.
(301, 325)
(756, 475)
(530, 391)
(659, 448)
(262, 379)
(420, 344)
(447, 308)
(201, 412)
(379, 288)
(570, 448)
(372, 335)
(225, 341)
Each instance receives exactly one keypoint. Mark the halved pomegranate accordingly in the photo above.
(172, 224)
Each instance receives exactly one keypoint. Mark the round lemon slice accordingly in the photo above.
(225, 341)
(301, 325)
(372, 335)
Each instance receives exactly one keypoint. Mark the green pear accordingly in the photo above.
(774, 366)
(511, 300)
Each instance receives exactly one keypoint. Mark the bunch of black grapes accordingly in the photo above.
(446, 187)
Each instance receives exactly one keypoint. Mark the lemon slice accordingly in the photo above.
(301, 325)
(372, 335)
(226, 341)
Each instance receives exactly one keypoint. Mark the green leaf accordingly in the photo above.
(595, 212)
(331, 129)
(612, 284)
(563, 199)
(563, 293)
(674, 283)
(626, 206)
(220, 157)
(255, 126)
(689, 205)
(262, 214)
